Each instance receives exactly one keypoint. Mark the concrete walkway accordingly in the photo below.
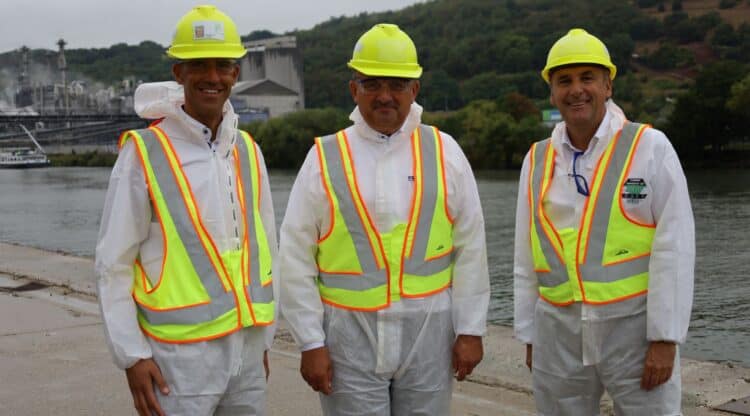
(53, 357)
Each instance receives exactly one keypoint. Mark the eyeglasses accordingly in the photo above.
(223, 66)
(581, 185)
(374, 85)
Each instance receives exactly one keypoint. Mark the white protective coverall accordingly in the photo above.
(580, 350)
(406, 347)
(224, 375)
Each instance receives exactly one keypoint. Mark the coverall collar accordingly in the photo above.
(156, 100)
(613, 120)
(368, 133)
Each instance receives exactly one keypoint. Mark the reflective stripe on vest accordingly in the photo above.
(358, 265)
(196, 297)
(259, 289)
(606, 259)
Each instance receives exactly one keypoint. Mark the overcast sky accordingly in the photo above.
(102, 23)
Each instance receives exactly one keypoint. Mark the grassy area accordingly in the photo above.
(89, 159)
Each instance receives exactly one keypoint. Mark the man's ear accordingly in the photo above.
(415, 89)
(353, 89)
(177, 72)
(236, 74)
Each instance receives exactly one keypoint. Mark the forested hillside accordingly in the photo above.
(682, 65)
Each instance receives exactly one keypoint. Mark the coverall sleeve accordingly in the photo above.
(471, 284)
(670, 287)
(124, 225)
(524, 277)
(269, 221)
(300, 230)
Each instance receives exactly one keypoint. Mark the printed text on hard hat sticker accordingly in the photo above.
(208, 30)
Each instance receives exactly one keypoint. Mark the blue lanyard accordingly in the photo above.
(581, 185)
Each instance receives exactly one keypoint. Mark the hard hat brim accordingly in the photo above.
(552, 67)
(391, 70)
(213, 51)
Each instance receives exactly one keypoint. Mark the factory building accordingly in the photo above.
(270, 79)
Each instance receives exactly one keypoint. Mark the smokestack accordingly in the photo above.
(62, 66)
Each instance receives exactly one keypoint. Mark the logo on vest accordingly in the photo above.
(633, 190)
(410, 178)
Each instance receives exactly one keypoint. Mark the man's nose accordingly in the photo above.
(576, 86)
(384, 94)
(212, 72)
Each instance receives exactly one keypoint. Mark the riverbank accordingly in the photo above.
(501, 374)
(93, 158)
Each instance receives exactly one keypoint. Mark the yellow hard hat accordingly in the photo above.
(206, 32)
(578, 47)
(385, 51)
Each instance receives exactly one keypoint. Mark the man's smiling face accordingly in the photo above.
(208, 84)
(580, 93)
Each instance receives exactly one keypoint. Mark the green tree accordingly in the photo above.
(439, 91)
(286, 140)
(644, 4)
(519, 106)
(668, 56)
(698, 126)
(739, 99)
(258, 35)
(724, 35)
(620, 47)
(708, 21)
(646, 28)
(485, 131)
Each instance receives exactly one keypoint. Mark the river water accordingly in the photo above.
(59, 209)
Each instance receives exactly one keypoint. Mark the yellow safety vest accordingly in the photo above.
(201, 293)
(361, 268)
(605, 259)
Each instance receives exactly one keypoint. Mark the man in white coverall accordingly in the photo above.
(604, 249)
(187, 239)
(383, 266)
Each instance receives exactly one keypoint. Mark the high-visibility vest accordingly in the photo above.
(361, 268)
(201, 293)
(605, 259)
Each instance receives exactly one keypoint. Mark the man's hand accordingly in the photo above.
(659, 364)
(467, 353)
(529, 354)
(141, 379)
(317, 370)
(265, 364)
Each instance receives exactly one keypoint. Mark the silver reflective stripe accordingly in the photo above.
(221, 301)
(593, 270)
(356, 282)
(371, 276)
(416, 264)
(256, 291)
(558, 274)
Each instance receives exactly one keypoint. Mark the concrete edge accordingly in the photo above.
(705, 384)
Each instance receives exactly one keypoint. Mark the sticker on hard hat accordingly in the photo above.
(208, 30)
